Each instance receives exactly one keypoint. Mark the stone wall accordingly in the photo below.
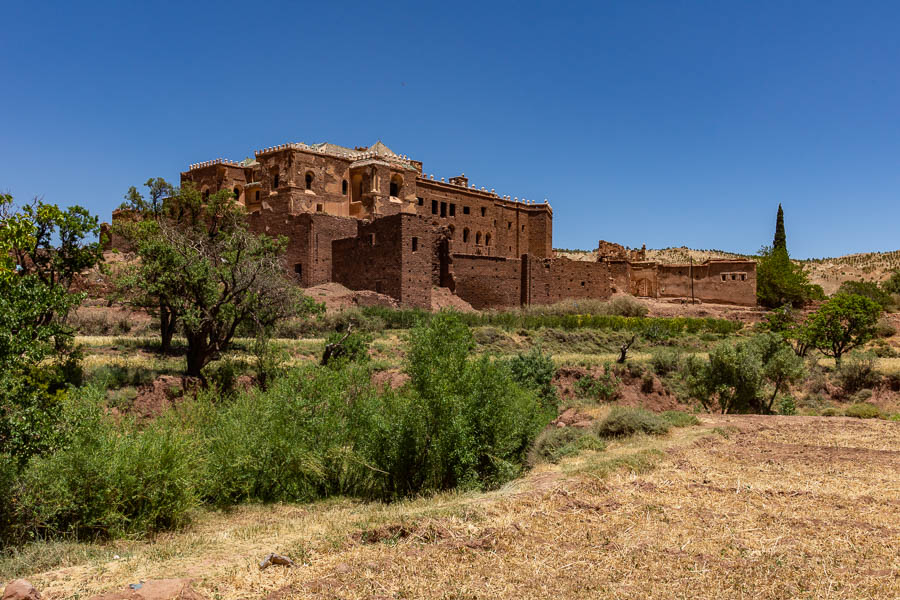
(551, 280)
(718, 281)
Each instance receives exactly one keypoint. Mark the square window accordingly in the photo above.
(421, 201)
(452, 210)
(509, 225)
(434, 206)
(415, 244)
(523, 228)
(465, 210)
(443, 209)
(483, 211)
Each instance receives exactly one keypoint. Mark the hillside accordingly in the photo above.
(827, 272)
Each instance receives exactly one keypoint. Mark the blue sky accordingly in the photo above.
(665, 123)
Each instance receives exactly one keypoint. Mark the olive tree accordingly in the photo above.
(844, 322)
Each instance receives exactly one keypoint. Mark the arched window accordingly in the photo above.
(238, 193)
(344, 187)
(487, 239)
(478, 239)
(466, 235)
(309, 179)
(275, 181)
(396, 184)
(205, 193)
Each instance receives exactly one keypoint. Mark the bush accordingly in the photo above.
(787, 406)
(627, 306)
(355, 346)
(110, 481)
(867, 289)
(857, 372)
(622, 422)
(884, 329)
(535, 370)
(677, 418)
(603, 388)
(863, 410)
(665, 361)
(555, 443)
(831, 412)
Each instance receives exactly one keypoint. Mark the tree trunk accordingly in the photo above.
(197, 354)
(166, 328)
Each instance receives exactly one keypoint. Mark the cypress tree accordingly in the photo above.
(780, 241)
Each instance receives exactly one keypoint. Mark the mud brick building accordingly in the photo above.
(370, 219)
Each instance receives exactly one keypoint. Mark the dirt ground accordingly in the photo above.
(739, 507)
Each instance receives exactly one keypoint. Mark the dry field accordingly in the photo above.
(739, 507)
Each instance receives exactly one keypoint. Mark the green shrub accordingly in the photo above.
(861, 396)
(677, 418)
(622, 422)
(665, 361)
(831, 412)
(355, 347)
(867, 289)
(603, 388)
(884, 328)
(857, 372)
(110, 480)
(535, 370)
(863, 410)
(787, 406)
(555, 443)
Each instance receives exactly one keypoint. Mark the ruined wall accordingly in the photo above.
(391, 255)
(488, 281)
(551, 280)
(643, 280)
(725, 281)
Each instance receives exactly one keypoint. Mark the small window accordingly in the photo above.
(487, 239)
(371, 239)
(275, 181)
(395, 189)
(237, 193)
(309, 179)
(415, 244)
(434, 206)
(344, 187)
(582, 284)
(298, 269)
(452, 210)
(421, 201)
(443, 209)
(257, 195)
(509, 225)
(743, 277)
(478, 239)
(465, 210)
(723, 276)
(483, 211)
(466, 235)
(320, 207)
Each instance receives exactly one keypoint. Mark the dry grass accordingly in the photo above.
(741, 507)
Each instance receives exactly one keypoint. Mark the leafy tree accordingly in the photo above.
(868, 289)
(779, 281)
(780, 241)
(844, 322)
(892, 285)
(745, 377)
(42, 250)
(206, 271)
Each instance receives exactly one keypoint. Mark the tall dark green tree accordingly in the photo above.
(780, 241)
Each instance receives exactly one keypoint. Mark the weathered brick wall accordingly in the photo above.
(488, 281)
(644, 280)
(550, 280)
(391, 255)
(310, 237)
(484, 224)
(725, 282)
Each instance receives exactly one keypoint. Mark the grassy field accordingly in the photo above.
(737, 507)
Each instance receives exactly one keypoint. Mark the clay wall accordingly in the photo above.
(310, 236)
(724, 282)
(643, 280)
(482, 223)
(488, 281)
(550, 280)
(391, 255)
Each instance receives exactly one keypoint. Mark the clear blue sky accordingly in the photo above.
(665, 123)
